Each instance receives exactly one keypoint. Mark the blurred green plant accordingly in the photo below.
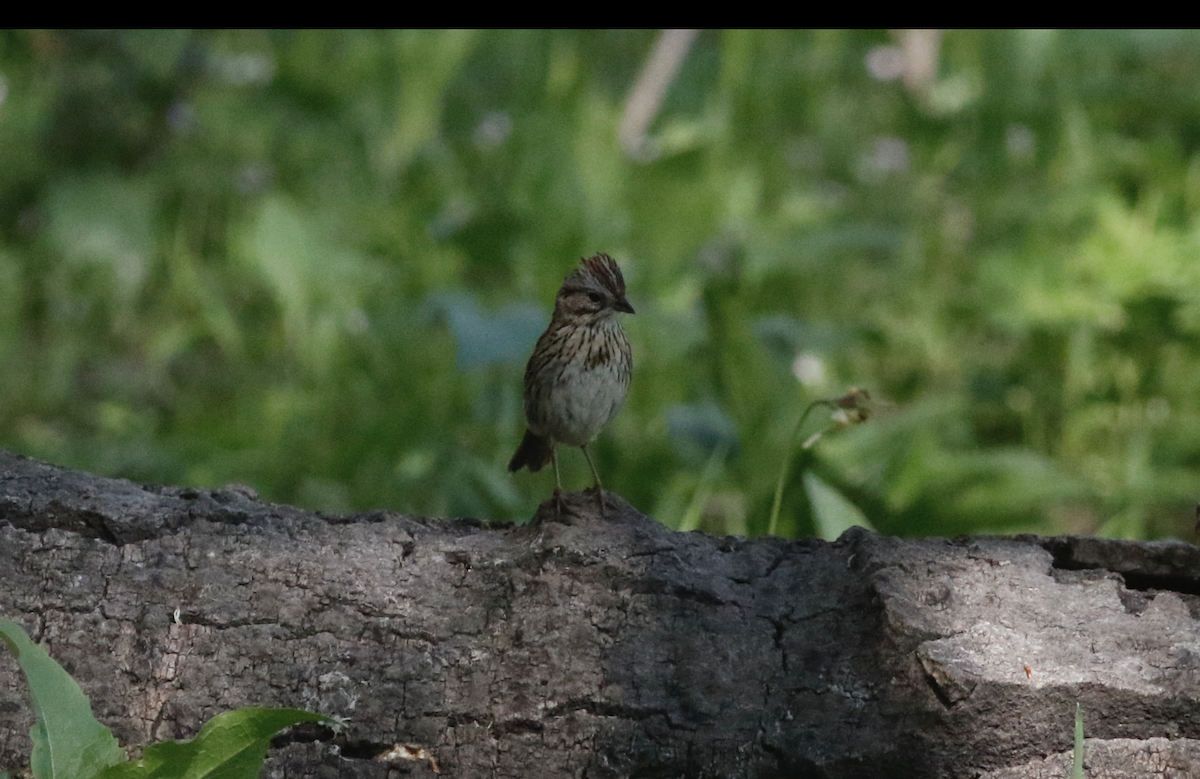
(315, 262)
(69, 743)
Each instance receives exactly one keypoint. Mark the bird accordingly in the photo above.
(578, 376)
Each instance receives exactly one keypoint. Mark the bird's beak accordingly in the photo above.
(623, 305)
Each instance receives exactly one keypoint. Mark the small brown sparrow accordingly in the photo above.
(578, 375)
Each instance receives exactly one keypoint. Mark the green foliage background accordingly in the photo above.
(315, 263)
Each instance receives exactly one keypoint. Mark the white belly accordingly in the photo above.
(583, 402)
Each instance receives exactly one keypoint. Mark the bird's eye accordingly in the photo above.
(594, 297)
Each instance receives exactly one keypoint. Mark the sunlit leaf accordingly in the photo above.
(229, 746)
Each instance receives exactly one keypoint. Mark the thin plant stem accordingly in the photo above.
(773, 525)
(691, 517)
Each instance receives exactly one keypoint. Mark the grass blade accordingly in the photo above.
(1077, 762)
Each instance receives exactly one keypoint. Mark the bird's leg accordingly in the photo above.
(595, 475)
(559, 504)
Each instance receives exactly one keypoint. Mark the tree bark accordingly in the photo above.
(602, 647)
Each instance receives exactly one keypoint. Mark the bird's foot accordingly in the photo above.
(599, 493)
(553, 510)
(560, 506)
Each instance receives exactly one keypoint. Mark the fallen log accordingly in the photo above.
(577, 646)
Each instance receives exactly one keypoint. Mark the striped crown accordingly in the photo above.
(599, 269)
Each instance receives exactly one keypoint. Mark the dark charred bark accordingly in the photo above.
(599, 648)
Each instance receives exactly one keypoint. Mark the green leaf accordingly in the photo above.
(230, 746)
(68, 742)
(832, 512)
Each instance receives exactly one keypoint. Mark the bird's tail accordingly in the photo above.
(534, 451)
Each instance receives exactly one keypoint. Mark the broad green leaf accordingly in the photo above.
(832, 513)
(68, 742)
(229, 746)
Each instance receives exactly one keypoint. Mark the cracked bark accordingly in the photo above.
(602, 648)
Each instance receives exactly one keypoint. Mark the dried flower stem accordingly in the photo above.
(850, 409)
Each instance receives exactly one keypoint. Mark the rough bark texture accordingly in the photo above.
(607, 647)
